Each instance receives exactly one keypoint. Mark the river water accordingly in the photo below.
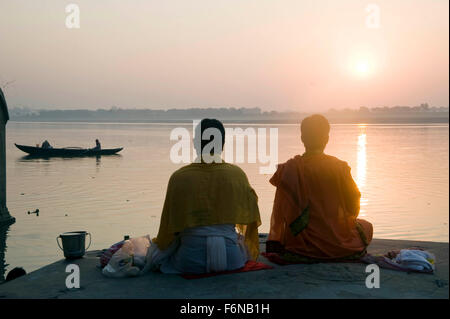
(401, 170)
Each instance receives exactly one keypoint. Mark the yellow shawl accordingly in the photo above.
(202, 194)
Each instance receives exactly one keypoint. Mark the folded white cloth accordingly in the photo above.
(419, 260)
(216, 254)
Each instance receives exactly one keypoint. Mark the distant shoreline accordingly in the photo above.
(438, 120)
(376, 115)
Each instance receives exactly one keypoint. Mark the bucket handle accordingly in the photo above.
(90, 239)
(58, 242)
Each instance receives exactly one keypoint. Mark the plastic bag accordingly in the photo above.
(129, 260)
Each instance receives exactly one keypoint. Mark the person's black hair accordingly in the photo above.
(15, 273)
(206, 124)
(315, 131)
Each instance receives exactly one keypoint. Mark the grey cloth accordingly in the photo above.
(205, 249)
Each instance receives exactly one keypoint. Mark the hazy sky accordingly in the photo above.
(274, 54)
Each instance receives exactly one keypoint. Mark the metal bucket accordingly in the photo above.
(73, 244)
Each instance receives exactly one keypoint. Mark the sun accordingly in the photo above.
(362, 68)
(361, 62)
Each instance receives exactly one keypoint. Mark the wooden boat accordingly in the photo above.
(66, 151)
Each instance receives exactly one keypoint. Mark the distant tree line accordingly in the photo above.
(424, 107)
(384, 114)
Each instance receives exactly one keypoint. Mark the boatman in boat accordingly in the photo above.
(97, 145)
(316, 207)
(210, 217)
(46, 145)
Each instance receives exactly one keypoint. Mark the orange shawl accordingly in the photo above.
(316, 194)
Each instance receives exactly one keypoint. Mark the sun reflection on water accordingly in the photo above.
(361, 168)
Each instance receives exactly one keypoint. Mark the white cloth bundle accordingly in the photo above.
(418, 260)
(130, 259)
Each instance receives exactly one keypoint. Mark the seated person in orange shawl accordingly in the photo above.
(316, 207)
(210, 217)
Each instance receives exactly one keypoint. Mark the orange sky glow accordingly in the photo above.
(277, 55)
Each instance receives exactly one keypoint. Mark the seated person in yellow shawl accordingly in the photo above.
(206, 202)
(316, 203)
